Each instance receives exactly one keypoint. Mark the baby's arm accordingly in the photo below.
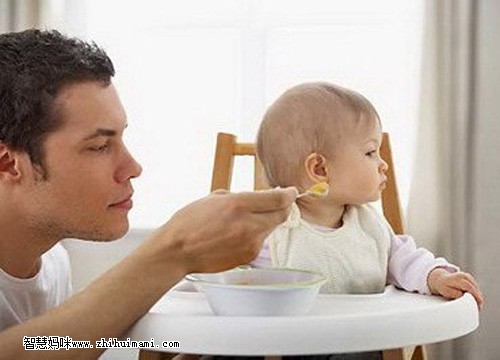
(409, 266)
(416, 269)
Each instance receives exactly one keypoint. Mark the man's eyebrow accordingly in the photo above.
(101, 132)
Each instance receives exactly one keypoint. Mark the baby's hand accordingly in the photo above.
(453, 285)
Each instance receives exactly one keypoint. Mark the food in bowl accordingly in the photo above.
(259, 292)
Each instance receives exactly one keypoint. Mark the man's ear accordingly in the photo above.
(316, 168)
(9, 164)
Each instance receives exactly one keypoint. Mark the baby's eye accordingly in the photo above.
(371, 153)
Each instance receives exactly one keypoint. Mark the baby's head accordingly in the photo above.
(311, 130)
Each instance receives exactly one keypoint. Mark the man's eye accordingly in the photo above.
(101, 148)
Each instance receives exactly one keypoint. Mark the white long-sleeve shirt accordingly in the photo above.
(405, 265)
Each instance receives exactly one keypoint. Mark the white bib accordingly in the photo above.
(353, 258)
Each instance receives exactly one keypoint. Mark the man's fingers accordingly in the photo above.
(266, 200)
(267, 222)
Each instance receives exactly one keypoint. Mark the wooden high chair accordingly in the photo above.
(227, 148)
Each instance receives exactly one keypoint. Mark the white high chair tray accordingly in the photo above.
(336, 324)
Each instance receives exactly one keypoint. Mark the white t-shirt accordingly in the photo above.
(23, 299)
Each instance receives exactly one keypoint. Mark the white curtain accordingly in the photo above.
(452, 197)
(18, 15)
(485, 249)
(4, 16)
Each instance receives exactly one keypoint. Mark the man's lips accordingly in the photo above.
(125, 203)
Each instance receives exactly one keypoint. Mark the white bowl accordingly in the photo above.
(259, 292)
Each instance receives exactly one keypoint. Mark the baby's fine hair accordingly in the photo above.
(310, 117)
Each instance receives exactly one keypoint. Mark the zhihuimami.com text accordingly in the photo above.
(65, 342)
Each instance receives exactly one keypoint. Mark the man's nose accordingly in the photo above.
(137, 168)
(130, 169)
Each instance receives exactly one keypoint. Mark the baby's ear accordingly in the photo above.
(316, 167)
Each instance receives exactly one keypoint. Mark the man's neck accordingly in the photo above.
(22, 271)
(21, 250)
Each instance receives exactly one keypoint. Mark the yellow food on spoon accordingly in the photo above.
(319, 189)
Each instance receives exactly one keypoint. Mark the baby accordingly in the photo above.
(319, 132)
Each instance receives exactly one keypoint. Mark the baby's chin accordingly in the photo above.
(374, 198)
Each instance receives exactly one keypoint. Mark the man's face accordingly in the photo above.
(87, 191)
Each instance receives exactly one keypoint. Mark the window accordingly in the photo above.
(188, 69)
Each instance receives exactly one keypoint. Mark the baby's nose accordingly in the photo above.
(383, 166)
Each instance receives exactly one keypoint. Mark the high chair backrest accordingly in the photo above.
(227, 148)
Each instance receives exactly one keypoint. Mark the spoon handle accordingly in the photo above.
(305, 193)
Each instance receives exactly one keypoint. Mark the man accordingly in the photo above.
(65, 172)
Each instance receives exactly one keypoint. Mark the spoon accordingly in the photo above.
(317, 190)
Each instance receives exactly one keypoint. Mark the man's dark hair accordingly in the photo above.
(34, 66)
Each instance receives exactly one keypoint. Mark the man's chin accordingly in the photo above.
(105, 235)
(118, 233)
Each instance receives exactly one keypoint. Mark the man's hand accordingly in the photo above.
(224, 230)
(453, 285)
